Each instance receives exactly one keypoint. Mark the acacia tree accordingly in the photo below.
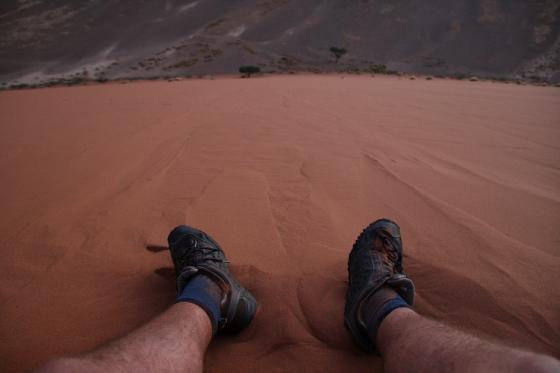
(337, 52)
(247, 70)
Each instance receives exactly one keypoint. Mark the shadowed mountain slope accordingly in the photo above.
(124, 38)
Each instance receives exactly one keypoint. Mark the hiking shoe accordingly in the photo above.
(375, 261)
(193, 252)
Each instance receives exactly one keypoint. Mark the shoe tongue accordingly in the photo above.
(383, 244)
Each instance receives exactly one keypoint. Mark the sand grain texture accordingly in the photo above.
(284, 172)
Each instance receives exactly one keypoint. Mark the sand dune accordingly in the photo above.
(284, 172)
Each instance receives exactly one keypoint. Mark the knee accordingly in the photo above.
(537, 363)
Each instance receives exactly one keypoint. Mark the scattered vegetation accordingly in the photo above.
(381, 69)
(20, 86)
(535, 79)
(248, 70)
(288, 63)
(378, 69)
(184, 64)
(460, 76)
(337, 52)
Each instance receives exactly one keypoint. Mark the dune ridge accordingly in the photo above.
(284, 172)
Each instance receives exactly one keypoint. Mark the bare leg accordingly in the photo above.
(173, 342)
(410, 342)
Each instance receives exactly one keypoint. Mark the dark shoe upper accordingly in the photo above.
(375, 261)
(192, 252)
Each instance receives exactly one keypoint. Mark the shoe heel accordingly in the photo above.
(244, 314)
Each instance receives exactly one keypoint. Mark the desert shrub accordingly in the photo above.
(74, 81)
(337, 52)
(248, 70)
(460, 76)
(381, 69)
(378, 69)
(20, 86)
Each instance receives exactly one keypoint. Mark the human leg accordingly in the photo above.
(175, 341)
(379, 317)
(209, 300)
(408, 341)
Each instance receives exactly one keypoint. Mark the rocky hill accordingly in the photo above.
(108, 39)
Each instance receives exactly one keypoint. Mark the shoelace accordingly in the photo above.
(196, 251)
(390, 245)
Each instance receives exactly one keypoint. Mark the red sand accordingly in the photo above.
(284, 172)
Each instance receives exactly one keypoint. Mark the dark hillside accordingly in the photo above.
(99, 39)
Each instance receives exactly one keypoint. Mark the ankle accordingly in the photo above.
(394, 330)
(205, 293)
(377, 306)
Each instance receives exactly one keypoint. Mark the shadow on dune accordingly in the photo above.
(462, 301)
